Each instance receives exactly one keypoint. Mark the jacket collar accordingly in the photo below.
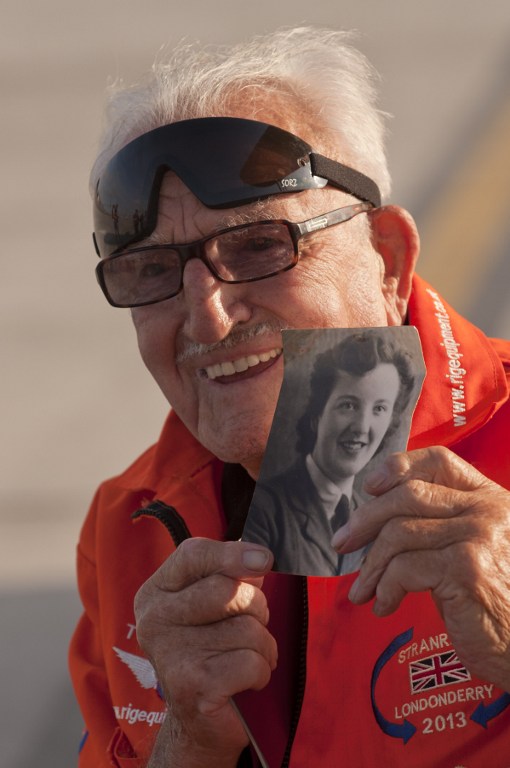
(176, 456)
(465, 382)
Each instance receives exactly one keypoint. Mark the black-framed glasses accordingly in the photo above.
(239, 254)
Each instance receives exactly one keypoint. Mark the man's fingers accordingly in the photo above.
(408, 535)
(204, 663)
(414, 499)
(433, 465)
(198, 558)
(222, 638)
(408, 572)
(477, 623)
(213, 599)
(224, 676)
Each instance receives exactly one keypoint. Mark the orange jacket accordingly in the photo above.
(350, 689)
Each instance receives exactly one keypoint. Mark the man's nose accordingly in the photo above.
(212, 307)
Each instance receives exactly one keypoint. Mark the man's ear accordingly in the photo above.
(396, 239)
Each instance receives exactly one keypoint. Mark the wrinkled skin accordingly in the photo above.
(342, 280)
(438, 525)
(202, 621)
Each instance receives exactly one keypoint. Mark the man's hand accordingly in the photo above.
(437, 524)
(201, 620)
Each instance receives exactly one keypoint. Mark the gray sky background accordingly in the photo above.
(77, 405)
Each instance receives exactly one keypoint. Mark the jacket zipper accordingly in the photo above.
(301, 681)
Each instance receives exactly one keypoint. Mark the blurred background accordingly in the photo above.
(77, 405)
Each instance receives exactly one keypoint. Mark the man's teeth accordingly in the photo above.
(241, 364)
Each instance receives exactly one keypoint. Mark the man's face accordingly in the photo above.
(193, 343)
(354, 420)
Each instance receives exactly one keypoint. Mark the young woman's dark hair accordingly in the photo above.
(356, 355)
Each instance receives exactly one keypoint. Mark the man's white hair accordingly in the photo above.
(327, 84)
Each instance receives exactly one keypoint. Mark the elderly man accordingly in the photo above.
(254, 177)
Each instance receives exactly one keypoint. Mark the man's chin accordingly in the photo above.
(245, 449)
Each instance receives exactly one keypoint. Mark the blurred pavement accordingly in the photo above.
(77, 403)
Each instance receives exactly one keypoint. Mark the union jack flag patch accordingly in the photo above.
(437, 671)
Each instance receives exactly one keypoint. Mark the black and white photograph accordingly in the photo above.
(346, 400)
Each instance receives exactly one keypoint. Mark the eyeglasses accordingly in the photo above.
(240, 254)
(224, 161)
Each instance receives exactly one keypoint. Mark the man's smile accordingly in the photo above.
(241, 364)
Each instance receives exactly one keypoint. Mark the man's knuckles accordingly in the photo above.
(195, 559)
(215, 598)
(435, 464)
(194, 676)
(206, 602)
(171, 646)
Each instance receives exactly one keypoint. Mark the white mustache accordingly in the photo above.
(236, 336)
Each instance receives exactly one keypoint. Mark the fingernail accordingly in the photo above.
(255, 559)
(377, 478)
(341, 536)
(354, 590)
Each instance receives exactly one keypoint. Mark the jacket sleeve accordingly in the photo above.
(103, 744)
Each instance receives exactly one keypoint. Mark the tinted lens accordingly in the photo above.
(251, 252)
(224, 161)
(141, 277)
